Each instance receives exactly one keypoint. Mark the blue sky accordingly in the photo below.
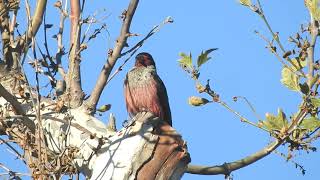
(241, 67)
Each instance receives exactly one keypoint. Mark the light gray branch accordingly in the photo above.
(113, 57)
(227, 168)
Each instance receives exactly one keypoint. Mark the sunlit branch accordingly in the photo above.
(314, 32)
(136, 47)
(74, 89)
(113, 57)
(227, 168)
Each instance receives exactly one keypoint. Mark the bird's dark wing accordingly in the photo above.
(163, 98)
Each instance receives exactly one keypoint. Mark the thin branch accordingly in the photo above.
(314, 34)
(227, 168)
(13, 149)
(250, 106)
(136, 47)
(60, 51)
(113, 57)
(273, 51)
(154, 30)
(13, 25)
(243, 119)
(275, 36)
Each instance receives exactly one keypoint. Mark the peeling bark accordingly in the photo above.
(168, 153)
(146, 148)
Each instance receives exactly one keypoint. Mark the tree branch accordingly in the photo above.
(12, 100)
(25, 40)
(113, 57)
(227, 168)
(74, 90)
(60, 51)
(37, 18)
(314, 34)
(5, 33)
(17, 107)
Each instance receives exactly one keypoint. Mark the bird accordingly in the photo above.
(144, 91)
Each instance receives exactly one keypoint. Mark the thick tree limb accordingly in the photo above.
(18, 108)
(12, 100)
(37, 18)
(113, 57)
(74, 90)
(5, 33)
(26, 39)
(146, 149)
(75, 140)
(36, 22)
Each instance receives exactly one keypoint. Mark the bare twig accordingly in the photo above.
(91, 103)
(243, 119)
(154, 30)
(275, 36)
(13, 149)
(250, 105)
(273, 51)
(136, 47)
(40, 136)
(12, 174)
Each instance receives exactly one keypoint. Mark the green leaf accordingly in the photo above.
(186, 60)
(282, 117)
(298, 64)
(310, 123)
(315, 102)
(245, 2)
(273, 122)
(203, 57)
(290, 79)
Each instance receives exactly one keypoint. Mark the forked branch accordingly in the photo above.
(113, 57)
